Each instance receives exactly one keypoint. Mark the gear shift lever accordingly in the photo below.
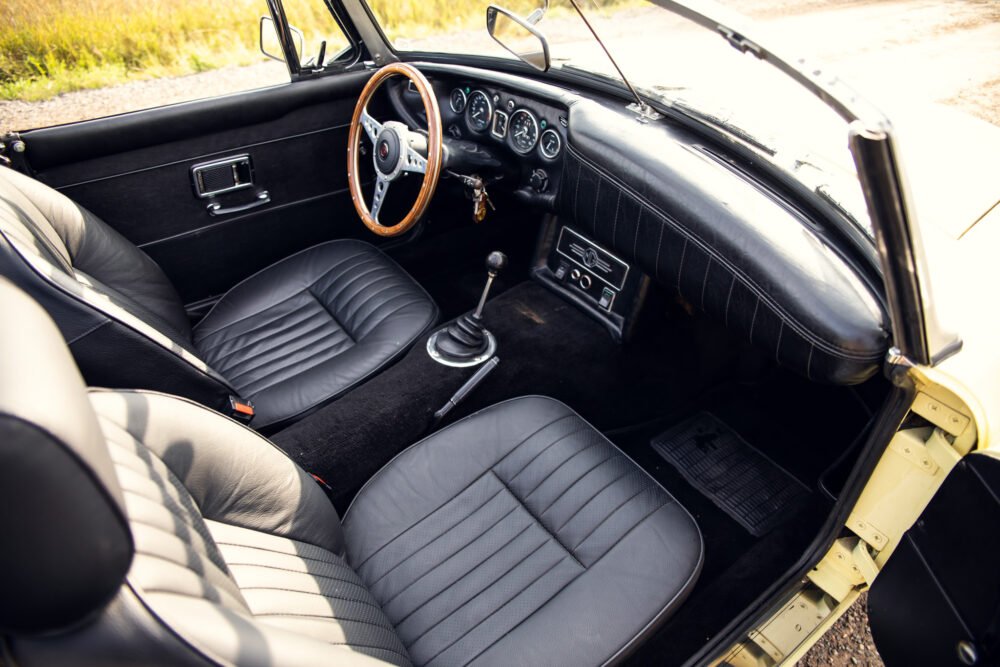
(466, 341)
(496, 261)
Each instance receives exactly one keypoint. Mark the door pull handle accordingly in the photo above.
(215, 208)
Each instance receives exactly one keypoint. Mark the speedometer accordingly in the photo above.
(523, 131)
(479, 112)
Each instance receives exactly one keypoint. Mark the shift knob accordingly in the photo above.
(496, 261)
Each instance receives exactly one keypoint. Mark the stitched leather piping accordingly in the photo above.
(801, 329)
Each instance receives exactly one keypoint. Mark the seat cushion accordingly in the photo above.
(308, 590)
(521, 535)
(306, 329)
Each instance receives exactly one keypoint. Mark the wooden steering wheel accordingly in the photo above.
(396, 150)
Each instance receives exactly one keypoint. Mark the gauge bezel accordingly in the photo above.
(510, 135)
(506, 124)
(468, 108)
(465, 100)
(541, 144)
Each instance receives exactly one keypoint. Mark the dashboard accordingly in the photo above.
(504, 118)
(666, 201)
(494, 127)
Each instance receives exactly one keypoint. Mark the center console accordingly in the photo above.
(605, 286)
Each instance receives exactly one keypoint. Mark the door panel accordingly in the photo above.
(939, 595)
(134, 171)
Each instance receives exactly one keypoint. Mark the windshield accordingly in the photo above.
(670, 60)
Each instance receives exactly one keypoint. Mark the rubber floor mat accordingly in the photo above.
(740, 480)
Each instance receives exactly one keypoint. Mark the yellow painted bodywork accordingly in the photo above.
(909, 473)
(959, 396)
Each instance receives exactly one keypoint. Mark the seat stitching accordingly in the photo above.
(434, 567)
(325, 595)
(204, 542)
(473, 569)
(555, 538)
(323, 340)
(465, 488)
(495, 611)
(529, 437)
(203, 573)
(275, 551)
(368, 646)
(262, 325)
(453, 555)
(628, 471)
(665, 503)
(427, 516)
(558, 467)
(186, 520)
(319, 335)
(288, 326)
(340, 289)
(369, 297)
(305, 572)
(577, 481)
(310, 360)
(326, 309)
(256, 313)
(543, 450)
(239, 602)
(629, 531)
(390, 314)
(492, 583)
(612, 513)
(384, 626)
(277, 303)
(255, 388)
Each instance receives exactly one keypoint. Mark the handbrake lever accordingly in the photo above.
(465, 389)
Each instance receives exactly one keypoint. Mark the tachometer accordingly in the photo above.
(523, 131)
(550, 144)
(458, 100)
(480, 111)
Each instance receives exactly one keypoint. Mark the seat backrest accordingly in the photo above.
(123, 320)
(112, 505)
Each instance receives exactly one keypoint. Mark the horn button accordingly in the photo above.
(388, 151)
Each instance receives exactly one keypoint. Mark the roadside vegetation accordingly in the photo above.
(48, 47)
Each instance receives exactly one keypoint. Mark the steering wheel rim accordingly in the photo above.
(408, 160)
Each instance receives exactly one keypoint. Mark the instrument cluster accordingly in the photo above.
(536, 131)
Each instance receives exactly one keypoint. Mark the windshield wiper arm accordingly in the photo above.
(645, 111)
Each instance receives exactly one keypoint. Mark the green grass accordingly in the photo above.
(49, 47)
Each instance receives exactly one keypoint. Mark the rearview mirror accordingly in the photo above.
(270, 45)
(518, 36)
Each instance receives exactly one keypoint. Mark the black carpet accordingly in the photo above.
(740, 480)
(802, 427)
(546, 346)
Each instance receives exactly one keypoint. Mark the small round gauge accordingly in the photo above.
(458, 100)
(523, 131)
(479, 112)
(550, 144)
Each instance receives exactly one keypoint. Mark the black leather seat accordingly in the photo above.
(519, 536)
(289, 338)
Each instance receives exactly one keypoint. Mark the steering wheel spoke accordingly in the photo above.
(371, 126)
(414, 162)
(381, 187)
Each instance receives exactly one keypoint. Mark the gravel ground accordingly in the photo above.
(905, 50)
(848, 643)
